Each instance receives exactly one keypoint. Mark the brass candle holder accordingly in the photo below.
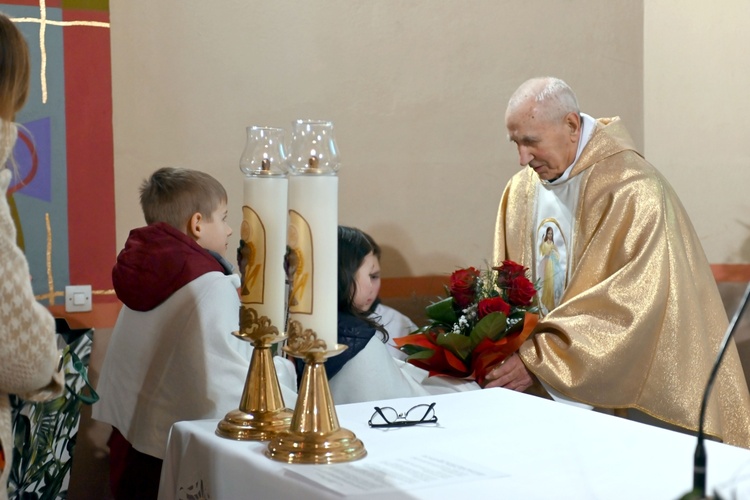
(314, 435)
(261, 414)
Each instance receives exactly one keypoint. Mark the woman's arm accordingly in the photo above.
(29, 357)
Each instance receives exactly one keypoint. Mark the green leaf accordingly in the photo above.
(422, 353)
(410, 349)
(491, 326)
(53, 481)
(53, 405)
(458, 344)
(21, 432)
(442, 312)
(517, 317)
(45, 431)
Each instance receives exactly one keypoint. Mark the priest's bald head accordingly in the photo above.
(544, 122)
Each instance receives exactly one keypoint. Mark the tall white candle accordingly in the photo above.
(263, 233)
(313, 243)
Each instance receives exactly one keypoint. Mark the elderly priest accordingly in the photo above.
(631, 315)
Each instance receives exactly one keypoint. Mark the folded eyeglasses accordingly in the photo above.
(389, 417)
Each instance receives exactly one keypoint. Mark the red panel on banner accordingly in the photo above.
(88, 115)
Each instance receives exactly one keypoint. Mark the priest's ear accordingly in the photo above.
(573, 122)
(194, 226)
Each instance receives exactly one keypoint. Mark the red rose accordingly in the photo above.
(511, 277)
(507, 272)
(521, 291)
(463, 286)
(493, 304)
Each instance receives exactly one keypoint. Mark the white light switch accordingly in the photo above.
(78, 298)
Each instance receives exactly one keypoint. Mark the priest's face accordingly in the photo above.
(547, 145)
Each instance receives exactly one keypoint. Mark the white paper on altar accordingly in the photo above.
(401, 473)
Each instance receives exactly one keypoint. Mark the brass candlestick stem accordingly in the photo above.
(261, 414)
(314, 435)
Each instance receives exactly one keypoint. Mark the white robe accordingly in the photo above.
(396, 324)
(177, 362)
(374, 374)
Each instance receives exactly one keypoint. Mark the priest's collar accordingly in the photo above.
(588, 125)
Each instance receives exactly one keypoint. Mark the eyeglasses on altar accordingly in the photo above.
(389, 417)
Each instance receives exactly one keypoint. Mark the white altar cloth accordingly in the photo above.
(522, 446)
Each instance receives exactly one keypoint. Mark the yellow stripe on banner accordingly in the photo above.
(43, 22)
(50, 279)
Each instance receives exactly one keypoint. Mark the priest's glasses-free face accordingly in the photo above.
(389, 417)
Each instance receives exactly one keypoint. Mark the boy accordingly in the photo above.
(172, 356)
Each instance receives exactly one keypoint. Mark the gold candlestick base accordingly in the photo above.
(314, 436)
(261, 414)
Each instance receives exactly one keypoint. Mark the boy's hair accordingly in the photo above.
(173, 195)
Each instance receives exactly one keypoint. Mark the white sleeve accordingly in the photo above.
(396, 324)
(373, 374)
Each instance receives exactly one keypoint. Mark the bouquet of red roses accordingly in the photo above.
(485, 319)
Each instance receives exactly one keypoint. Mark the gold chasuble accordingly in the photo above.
(639, 321)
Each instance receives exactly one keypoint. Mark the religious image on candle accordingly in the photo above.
(252, 257)
(260, 256)
(300, 264)
(299, 268)
(312, 262)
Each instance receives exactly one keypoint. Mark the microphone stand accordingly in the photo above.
(699, 463)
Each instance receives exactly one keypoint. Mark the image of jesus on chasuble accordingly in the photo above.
(631, 315)
(551, 268)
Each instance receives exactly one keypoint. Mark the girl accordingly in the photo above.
(359, 285)
(367, 371)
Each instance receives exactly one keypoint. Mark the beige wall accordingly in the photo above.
(696, 76)
(416, 90)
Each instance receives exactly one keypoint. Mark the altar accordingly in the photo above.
(492, 442)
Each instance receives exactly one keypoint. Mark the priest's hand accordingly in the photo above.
(511, 374)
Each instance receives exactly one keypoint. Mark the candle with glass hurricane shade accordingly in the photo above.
(261, 413)
(264, 222)
(313, 235)
(314, 435)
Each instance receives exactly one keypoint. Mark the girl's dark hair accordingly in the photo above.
(354, 246)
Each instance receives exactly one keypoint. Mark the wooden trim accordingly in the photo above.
(413, 285)
(731, 272)
(435, 284)
(104, 313)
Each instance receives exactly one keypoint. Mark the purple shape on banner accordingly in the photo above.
(32, 154)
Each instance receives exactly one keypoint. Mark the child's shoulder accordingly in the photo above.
(216, 280)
